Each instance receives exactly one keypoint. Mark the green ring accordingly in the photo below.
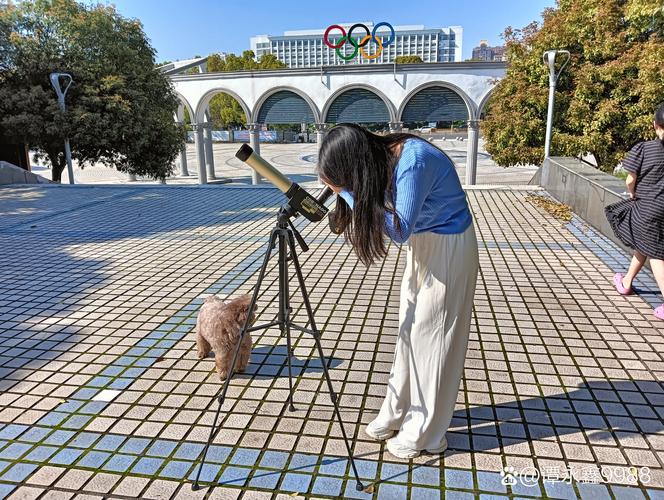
(354, 43)
(343, 40)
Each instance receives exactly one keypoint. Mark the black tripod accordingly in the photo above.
(285, 233)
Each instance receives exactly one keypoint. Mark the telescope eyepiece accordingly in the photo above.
(325, 195)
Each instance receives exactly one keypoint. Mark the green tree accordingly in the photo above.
(119, 109)
(270, 61)
(5, 45)
(215, 63)
(605, 97)
(408, 59)
(225, 111)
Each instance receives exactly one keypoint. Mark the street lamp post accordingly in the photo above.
(549, 58)
(61, 93)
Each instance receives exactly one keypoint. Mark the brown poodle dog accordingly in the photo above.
(218, 329)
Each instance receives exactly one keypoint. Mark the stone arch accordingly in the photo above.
(207, 97)
(273, 99)
(485, 99)
(183, 104)
(448, 91)
(371, 105)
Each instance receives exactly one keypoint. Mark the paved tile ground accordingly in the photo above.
(297, 161)
(101, 393)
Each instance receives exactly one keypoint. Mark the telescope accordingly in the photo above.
(283, 238)
(299, 199)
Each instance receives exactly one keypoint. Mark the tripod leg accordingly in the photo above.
(222, 394)
(284, 311)
(319, 348)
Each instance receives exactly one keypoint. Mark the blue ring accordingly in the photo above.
(392, 36)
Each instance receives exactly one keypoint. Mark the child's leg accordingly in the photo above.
(634, 267)
(658, 270)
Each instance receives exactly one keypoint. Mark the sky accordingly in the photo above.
(181, 29)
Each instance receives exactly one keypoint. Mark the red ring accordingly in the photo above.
(327, 32)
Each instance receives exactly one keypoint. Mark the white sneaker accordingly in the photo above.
(375, 431)
(400, 450)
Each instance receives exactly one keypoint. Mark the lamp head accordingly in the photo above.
(549, 58)
(56, 83)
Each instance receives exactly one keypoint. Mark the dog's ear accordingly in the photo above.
(245, 301)
(242, 308)
(214, 298)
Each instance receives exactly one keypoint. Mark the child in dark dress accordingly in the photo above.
(639, 221)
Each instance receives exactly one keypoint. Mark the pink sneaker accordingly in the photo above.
(659, 312)
(618, 282)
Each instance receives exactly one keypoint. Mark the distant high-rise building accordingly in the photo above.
(485, 53)
(306, 48)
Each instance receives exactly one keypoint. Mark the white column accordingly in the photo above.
(200, 150)
(209, 154)
(395, 127)
(321, 130)
(471, 157)
(254, 142)
(184, 171)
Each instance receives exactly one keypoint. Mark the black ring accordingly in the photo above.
(350, 34)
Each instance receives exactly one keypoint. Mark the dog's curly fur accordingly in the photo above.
(218, 329)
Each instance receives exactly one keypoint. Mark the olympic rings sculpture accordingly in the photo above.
(358, 46)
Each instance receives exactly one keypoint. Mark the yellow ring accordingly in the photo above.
(378, 52)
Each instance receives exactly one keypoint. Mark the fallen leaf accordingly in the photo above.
(560, 211)
(369, 489)
(294, 494)
(159, 359)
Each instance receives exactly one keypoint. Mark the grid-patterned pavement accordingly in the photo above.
(102, 395)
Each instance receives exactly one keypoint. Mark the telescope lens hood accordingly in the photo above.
(244, 152)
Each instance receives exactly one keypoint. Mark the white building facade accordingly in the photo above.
(307, 49)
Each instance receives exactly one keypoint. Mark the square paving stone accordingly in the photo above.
(119, 463)
(295, 482)
(327, 486)
(176, 469)
(265, 479)
(147, 466)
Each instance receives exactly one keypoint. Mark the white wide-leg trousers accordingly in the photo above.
(434, 322)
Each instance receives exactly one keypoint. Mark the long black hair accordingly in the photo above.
(363, 163)
(659, 118)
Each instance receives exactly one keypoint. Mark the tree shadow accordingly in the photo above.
(606, 410)
(48, 277)
(130, 211)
